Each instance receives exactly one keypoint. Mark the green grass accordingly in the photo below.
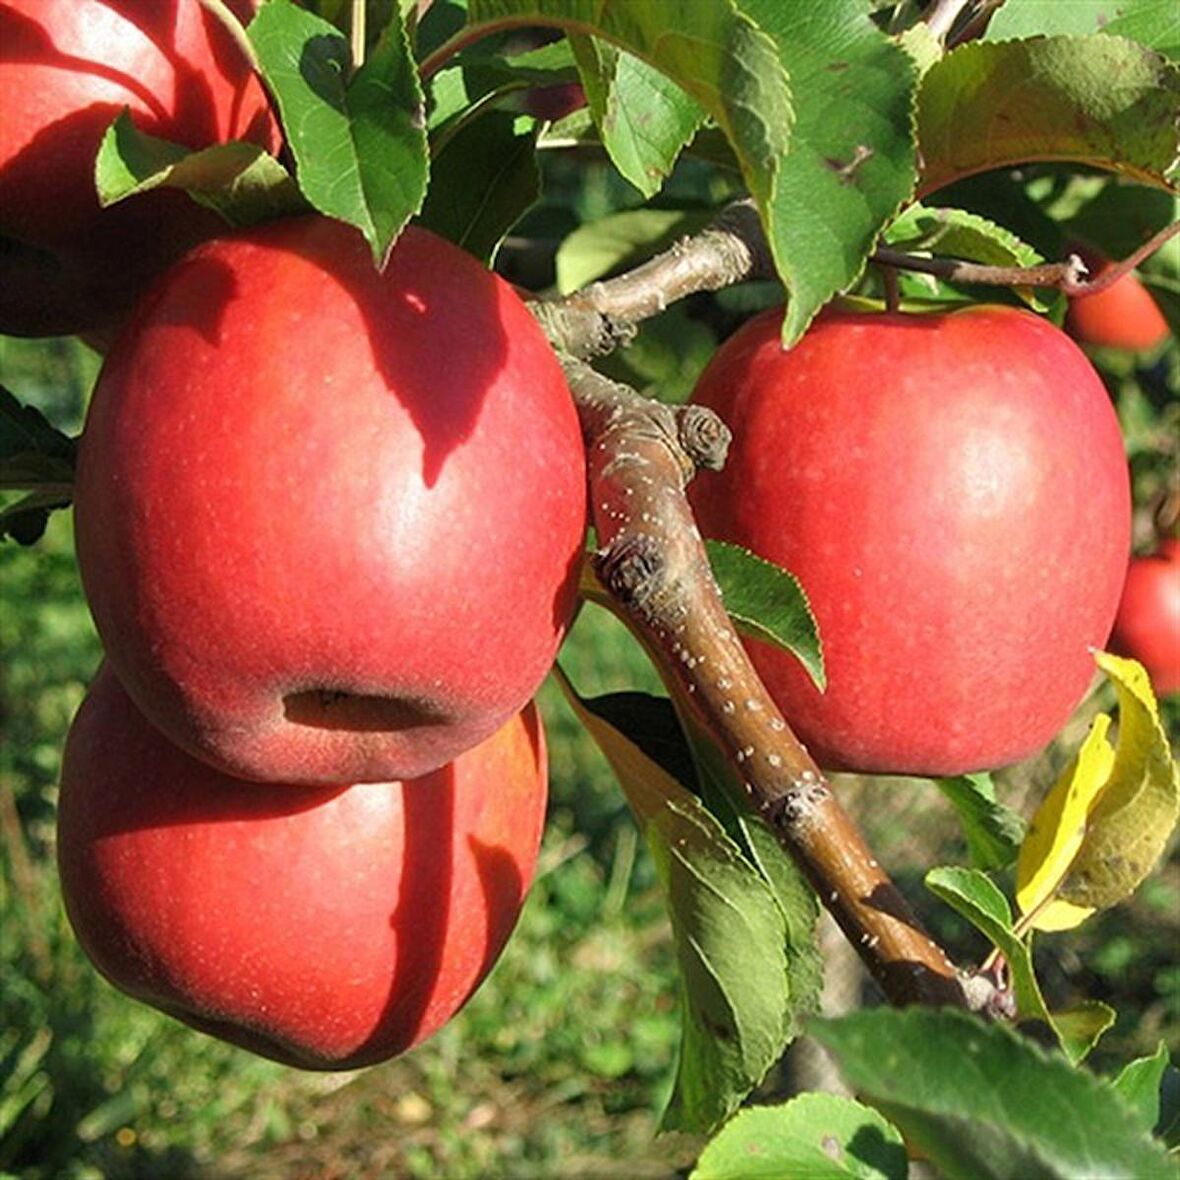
(558, 1067)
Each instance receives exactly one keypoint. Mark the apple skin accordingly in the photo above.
(325, 927)
(952, 492)
(1147, 626)
(1123, 316)
(67, 70)
(329, 520)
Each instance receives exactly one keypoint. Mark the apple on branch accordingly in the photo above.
(952, 492)
(68, 68)
(329, 519)
(326, 927)
(1147, 626)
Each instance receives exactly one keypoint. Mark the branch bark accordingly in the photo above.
(652, 560)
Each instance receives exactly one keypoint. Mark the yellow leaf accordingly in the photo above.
(1132, 819)
(1108, 817)
(1057, 831)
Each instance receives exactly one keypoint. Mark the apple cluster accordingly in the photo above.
(328, 522)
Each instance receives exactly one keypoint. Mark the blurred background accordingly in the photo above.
(561, 1063)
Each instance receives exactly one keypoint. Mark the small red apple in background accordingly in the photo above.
(952, 492)
(1147, 626)
(1122, 316)
(329, 520)
(326, 927)
(68, 68)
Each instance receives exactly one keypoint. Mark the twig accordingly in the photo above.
(597, 319)
(941, 16)
(652, 560)
(1067, 277)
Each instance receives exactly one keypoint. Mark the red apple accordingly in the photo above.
(952, 492)
(1147, 626)
(326, 927)
(329, 519)
(1123, 316)
(67, 69)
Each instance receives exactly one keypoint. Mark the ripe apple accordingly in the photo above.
(326, 927)
(1123, 316)
(329, 519)
(952, 492)
(67, 69)
(1147, 626)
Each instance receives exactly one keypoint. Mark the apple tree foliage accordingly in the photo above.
(851, 126)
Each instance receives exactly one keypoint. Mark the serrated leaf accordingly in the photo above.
(990, 105)
(956, 233)
(644, 118)
(359, 142)
(975, 897)
(238, 180)
(599, 247)
(1057, 830)
(851, 163)
(483, 180)
(993, 832)
(1155, 23)
(813, 1137)
(982, 1103)
(728, 930)
(33, 453)
(713, 52)
(768, 603)
(1080, 1027)
(1129, 823)
(1139, 1085)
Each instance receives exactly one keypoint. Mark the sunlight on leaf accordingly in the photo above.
(1106, 820)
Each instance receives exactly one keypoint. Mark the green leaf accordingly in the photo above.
(992, 105)
(713, 52)
(644, 118)
(993, 832)
(622, 239)
(813, 1137)
(1080, 1027)
(482, 182)
(973, 895)
(727, 926)
(768, 603)
(851, 162)
(982, 1103)
(240, 181)
(359, 143)
(956, 233)
(1140, 1083)
(33, 454)
(1155, 23)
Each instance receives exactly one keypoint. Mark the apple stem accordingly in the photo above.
(652, 561)
(356, 33)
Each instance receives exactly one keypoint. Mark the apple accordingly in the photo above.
(68, 68)
(326, 927)
(1123, 316)
(951, 490)
(1147, 626)
(329, 519)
